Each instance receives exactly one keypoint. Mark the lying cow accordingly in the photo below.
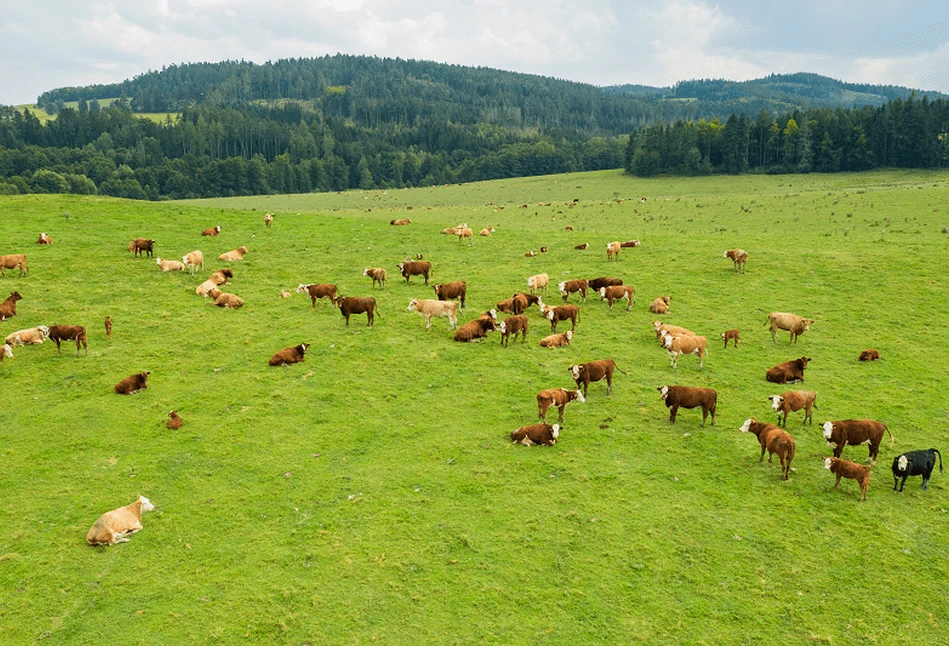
(115, 526)
(660, 305)
(428, 308)
(8, 306)
(774, 440)
(584, 373)
(557, 340)
(234, 254)
(915, 463)
(689, 397)
(788, 372)
(44, 239)
(791, 401)
(211, 231)
(856, 431)
(349, 305)
(869, 355)
(477, 329)
(29, 336)
(60, 333)
(289, 356)
(848, 469)
(558, 397)
(225, 299)
(512, 326)
(174, 421)
(133, 383)
(536, 434)
(169, 265)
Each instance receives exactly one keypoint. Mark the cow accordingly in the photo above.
(774, 440)
(790, 322)
(6, 352)
(788, 372)
(212, 231)
(108, 327)
(520, 302)
(477, 329)
(603, 281)
(558, 397)
(285, 294)
(869, 355)
(400, 222)
(30, 336)
(679, 345)
(139, 245)
(44, 239)
(451, 291)
(660, 305)
(289, 356)
(739, 258)
(584, 373)
(582, 246)
(578, 285)
(321, 290)
(221, 276)
(542, 250)
(536, 434)
(377, 274)
(848, 469)
(415, 268)
(428, 308)
(204, 289)
(730, 334)
(856, 431)
(569, 227)
(486, 232)
(174, 421)
(559, 313)
(234, 254)
(115, 526)
(791, 401)
(225, 299)
(664, 329)
(618, 293)
(133, 383)
(915, 463)
(512, 326)
(612, 251)
(557, 340)
(689, 397)
(8, 306)
(193, 260)
(60, 333)
(465, 232)
(537, 283)
(453, 231)
(169, 265)
(14, 261)
(268, 219)
(349, 305)
(629, 244)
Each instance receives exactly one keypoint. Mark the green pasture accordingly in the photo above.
(371, 493)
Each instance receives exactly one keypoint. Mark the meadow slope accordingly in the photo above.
(371, 493)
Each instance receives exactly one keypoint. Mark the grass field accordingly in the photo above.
(371, 494)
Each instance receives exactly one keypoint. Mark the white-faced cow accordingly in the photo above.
(915, 463)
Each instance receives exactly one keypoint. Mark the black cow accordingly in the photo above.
(915, 463)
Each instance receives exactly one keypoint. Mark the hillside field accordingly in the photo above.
(372, 494)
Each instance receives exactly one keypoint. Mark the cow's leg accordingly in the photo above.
(609, 383)
(672, 413)
(837, 484)
(925, 481)
(761, 459)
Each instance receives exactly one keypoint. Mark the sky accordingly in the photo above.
(46, 44)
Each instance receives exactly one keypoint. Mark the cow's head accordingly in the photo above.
(44, 330)
(776, 401)
(574, 394)
(803, 362)
(744, 428)
(828, 430)
(302, 288)
(807, 323)
(828, 462)
(7, 352)
(302, 347)
(728, 254)
(146, 504)
(413, 305)
(560, 287)
(555, 430)
(663, 392)
(569, 335)
(401, 266)
(901, 463)
(666, 340)
(603, 292)
(575, 371)
(157, 261)
(503, 328)
(549, 313)
(493, 313)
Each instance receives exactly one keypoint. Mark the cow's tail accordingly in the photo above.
(620, 369)
(378, 313)
(892, 439)
(936, 451)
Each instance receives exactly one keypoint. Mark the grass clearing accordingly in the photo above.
(371, 493)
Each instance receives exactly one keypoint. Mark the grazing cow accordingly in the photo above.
(321, 290)
(60, 333)
(536, 434)
(377, 274)
(660, 305)
(512, 326)
(133, 383)
(174, 421)
(568, 287)
(289, 356)
(848, 469)
(6, 352)
(193, 260)
(791, 401)
(14, 261)
(8, 307)
(451, 291)
(115, 526)
(139, 245)
(477, 329)
(44, 239)
(268, 219)
(788, 372)
(559, 313)
(30, 336)
(630, 243)
(665, 329)
(597, 283)
(466, 232)
(856, 431)
(213, 231)
(915, 463)
(581, 247)
(790, 322)
(557, 340)
(400, 222)
(169, 265)
(428, 308)
(584, 373)
(558, 397)
(869, 355)
(612, 251)
(234, 254)
(538, 282)
(415, 268)
(357, 305)
(569, 227)
(486, 232)
(618, 293)
(730, 334)
(775, 440)
(739, 257)
(689, 397)
(225, 299)
(108, 327)
(679, 345)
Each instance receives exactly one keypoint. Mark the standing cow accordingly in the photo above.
(915, 463)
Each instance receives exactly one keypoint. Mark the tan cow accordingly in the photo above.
(14, 261)
(612, 250)
(557, 340)
(428, 308)
(739, 257)
(235, 254)
(679, 345)
(793, 323)
(115, 526)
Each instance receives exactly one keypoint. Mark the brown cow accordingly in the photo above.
(44, 239)
(578, 285)
(629, 244)
(584, 373)
(689, 397)
(377, 274)
(288, 356)
(512, 326)
(539, 434)
(848, 469)
(603, 281)
(868, 355)
(793, 400)
(788, 372)
(133, 383)
(60, 333)
(559, 313)
(856, 431)
(139, 245)
(108, 327)
(357, 305)
(660, 305)
(225, 300)
(774, 440)
(739, 257)
(174, 422)
(451, 291)
(212, 231)
(618, 293)
(415, 268)
(730, 334)
(400, 222)
(477, 329)
(8, 307)
(321, 290)
(583, 246)
(557, 340)
(558, 397)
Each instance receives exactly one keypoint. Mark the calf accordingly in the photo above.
(377, 274)
(558, 397)
(415, 268)
(212, 231)
(115, 526)
(788, 372)
(679, 345)
(559, 313)
(289, 356)
(451, 291)
(477, 329)
(915, 463)
(774, 440)
(169, 265)
(14, 261)
(512, 326)
(848, 469)
(536, 434)
(584, 373)
(225, 299)
(486, 232)
(133, 383)
(869, 355)
(221, 276)
(689, 397)
(139, 245)
(856, 431)
(603, 281)
(730, 334)
(612, 251)
(8, 306)
(108, 327)
(321, 290)
(357, 305)
(428, 308)
(400, 222)
(793, 400)
(44, 239)
(174, 421)
(582, 246)
(204, 289)
(466, 232)
(618, 293)
(234, 254)
(568, 287)
(268, 219)
(660, 305)
(30, 336)
(557, 340)
(60, 333)
(739, 257)
(629, 243)
(790, 322)
(193, 260)
(537, 283)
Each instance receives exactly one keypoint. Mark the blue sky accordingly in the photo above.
(46, 44)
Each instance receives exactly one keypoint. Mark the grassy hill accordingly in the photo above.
(372, 493)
